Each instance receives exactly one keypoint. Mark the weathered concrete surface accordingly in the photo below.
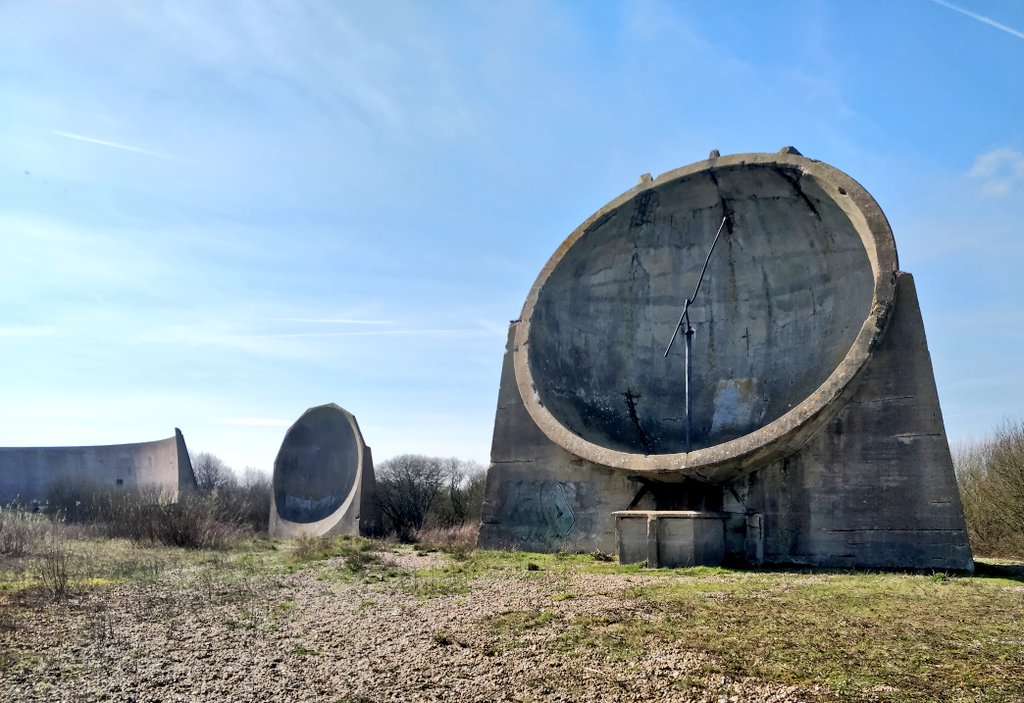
(28, 473)
(671, 538)
(323, 478)
(370, 521)
(874, 488)
(854, 471)
(807, 256)
(538, 496)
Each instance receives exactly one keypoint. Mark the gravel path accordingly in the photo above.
(313, 636)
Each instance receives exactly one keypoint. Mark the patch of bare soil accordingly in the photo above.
(319, 635)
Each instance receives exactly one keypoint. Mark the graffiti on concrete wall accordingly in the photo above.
(541, 510)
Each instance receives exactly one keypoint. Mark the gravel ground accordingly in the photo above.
(311, 636)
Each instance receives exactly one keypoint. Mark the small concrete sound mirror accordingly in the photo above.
(323, 481)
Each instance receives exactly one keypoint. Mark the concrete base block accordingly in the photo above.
(670, 538)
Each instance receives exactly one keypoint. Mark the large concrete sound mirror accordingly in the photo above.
(323, 479)
(731, 342)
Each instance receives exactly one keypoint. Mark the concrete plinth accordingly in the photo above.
(670, 538)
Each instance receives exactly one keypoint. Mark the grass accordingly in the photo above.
(908, 637)
(889, 637)
(519, 621)
(903, 637)
(313, 549)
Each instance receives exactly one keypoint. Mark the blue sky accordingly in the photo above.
(215, 215)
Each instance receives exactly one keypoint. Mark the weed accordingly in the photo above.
(310, 549)
(100, 625)
(359, 562)
(288, 606)
(924, 637)
(617, 637)
(53, 567)
(518, 621)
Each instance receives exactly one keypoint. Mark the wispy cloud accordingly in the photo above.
(367, 333)
(334, 321)
(1000, 171)
(27, 331)
(114, 145)
(981, 18)
(252, 421)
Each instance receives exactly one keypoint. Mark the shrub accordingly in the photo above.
(245, 502)
(224, 508)
(462, 500)
(990, 475)
(53, 566)
(210, 471)
(152, 514)
(407, 487)
(192, 522)
(21, 530)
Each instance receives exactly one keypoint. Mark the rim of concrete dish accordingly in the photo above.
(784, 433)
(324, 525)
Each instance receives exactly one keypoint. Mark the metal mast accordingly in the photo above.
(688, 333)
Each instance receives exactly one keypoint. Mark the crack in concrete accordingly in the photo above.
(641, 436)
(795, 182)
(726, 208)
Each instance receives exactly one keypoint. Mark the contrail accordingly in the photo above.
(981, 18)
(115, 145)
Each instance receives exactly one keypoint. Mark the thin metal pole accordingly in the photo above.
(689, 420)
(696, 288)
(688, 333)
(686, 307)
(707, 259)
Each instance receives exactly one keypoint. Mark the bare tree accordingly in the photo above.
(211, 473)
(407, 487)
(990, 474)
(465, 495)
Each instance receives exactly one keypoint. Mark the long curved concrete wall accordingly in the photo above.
(28, 473)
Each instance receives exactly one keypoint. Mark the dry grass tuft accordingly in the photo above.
(457, 541)
(21, 530)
